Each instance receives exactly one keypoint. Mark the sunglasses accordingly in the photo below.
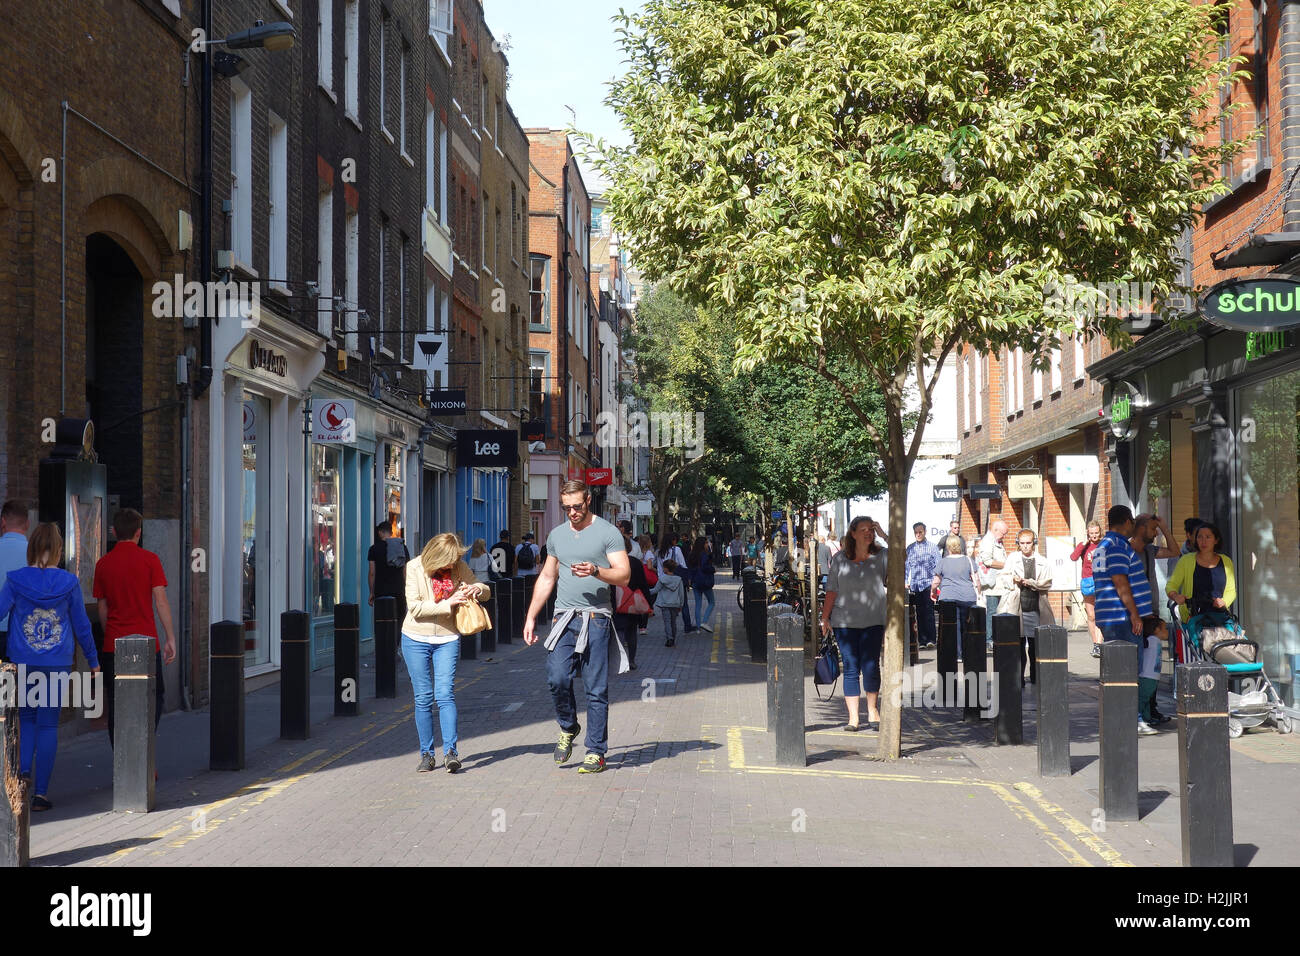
(581, 507)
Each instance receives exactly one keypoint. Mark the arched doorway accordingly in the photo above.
(115, 365)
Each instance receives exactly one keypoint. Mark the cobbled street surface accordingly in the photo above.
(690, 780)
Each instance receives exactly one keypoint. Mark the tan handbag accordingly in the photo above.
(471, 617)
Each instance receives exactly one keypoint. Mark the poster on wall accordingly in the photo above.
(1065, 573)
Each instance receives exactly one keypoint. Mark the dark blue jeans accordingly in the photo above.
(860, 651)
(563, 665)
(924, 606)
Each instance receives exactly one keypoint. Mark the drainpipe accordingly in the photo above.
(1289, 81)
(204, 378)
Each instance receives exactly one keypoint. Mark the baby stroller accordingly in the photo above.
(1214, 634)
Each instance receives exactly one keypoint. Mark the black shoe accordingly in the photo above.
(39, 803)
(632, 665)
(564, 744)
(427, 763)
(669, 643)
(453, 762)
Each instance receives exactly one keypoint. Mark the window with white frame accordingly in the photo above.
(442, 172)
(482, 232)
(241, 171)
(440, 23)
(406, 52)
(970, 390)
(325, 261)
(1056, 367)
(383, 261)
(1020, 378)
(325, 42)
(1038, 383)
(352, 58)
(383, 73)
(496, 243)
(539, 319)
(401, 296)
(979, 389)
(351, 271)
(1080, 363)
(514, 221)
(277, 200)
(431, 184)
(539, 366)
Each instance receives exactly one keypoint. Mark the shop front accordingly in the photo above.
(258, 478)
(1207, 425)
(484, 459)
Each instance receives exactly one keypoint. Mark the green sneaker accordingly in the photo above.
(564, 745)
(594, 763)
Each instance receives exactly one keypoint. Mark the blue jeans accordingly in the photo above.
(433, 673)
(860, 651)
(563, 665)
(38, 727)
(991, 602)
(701, 593)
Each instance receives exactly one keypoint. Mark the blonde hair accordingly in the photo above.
(953, 545)
(1094, 523)
(443, 551)
(479, 549)
(45, 546)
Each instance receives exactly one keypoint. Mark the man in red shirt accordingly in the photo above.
(129, 581)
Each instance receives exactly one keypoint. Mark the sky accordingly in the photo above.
(561, 53)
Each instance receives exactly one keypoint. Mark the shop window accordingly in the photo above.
(1268, 570)
(1167, 480)
(393, 486)
(325, 500)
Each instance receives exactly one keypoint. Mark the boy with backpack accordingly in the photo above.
(527, 557)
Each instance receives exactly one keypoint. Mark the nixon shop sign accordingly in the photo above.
(449, 401)
(1253, 305)
(494, 448)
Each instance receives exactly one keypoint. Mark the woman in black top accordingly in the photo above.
(627, 623)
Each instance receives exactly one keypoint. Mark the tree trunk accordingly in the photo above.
(896, 471)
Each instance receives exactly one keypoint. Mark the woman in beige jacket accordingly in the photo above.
(435, 584)
(1029, 578)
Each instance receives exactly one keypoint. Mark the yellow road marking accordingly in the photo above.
(717, 643)
(1082, 832)
(731, 646)
(736, 759)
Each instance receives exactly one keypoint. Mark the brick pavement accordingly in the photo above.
(690, 780)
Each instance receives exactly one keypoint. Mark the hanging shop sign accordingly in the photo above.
(535, 430)
(599, 476)
(487, 448)
(1125, 401)
(448, 402)
(1024, 486)
(334, 421)
(978, 492)
(1253, 305)
(1077, 470)
(943, 493)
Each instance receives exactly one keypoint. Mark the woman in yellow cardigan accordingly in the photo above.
(1204, 579)
(435, 584)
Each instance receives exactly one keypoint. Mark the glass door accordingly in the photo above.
(255, 555)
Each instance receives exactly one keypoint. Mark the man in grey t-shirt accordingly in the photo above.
(585, 561)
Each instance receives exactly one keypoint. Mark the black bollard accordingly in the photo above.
(386, 625)
(1204, 764)
(226, 721)
(1118, 716)
(974, 663)
(347, 660)
(521, 599)
(133, 705)
(1053, 702)
(487, 638)
(913, 633)
(755, 616)
(946, 655)
(504, 595)
(1009, 724)
(15, 828)
(770, 614)
(295, 675)
(787, 667)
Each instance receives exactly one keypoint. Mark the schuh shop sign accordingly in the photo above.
(1253, 305)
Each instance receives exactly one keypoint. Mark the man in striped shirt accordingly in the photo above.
(1123, 592)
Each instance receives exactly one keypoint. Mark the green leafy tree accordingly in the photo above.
(874, 182)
